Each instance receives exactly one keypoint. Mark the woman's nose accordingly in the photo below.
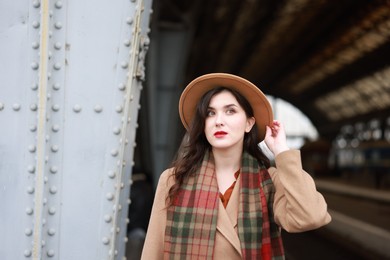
(218, 119)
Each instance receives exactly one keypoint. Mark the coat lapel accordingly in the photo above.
(227, 218)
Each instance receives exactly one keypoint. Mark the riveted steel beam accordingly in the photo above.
(68, 110)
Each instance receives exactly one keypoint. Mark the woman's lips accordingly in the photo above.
(220, 134)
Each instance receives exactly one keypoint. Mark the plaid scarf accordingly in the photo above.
(192, 219)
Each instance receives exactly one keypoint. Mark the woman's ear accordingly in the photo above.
(249, 124)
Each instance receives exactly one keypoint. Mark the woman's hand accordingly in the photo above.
(275, 138)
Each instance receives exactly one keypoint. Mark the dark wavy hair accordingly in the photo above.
(190, 155)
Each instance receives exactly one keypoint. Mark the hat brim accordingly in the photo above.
(198, 87)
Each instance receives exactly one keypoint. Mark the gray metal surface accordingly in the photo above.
(71, 74)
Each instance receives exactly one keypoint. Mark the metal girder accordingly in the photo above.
(71, 78)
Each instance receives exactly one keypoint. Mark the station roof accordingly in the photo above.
(331, 59)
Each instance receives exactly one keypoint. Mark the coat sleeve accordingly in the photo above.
(298, 206)
(154, 242)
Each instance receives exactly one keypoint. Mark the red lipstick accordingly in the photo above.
(220, 134)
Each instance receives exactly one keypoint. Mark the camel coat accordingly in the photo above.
(298, 207)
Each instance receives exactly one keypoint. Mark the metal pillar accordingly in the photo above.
(71, 74)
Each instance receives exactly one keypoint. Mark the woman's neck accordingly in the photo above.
(227, 160)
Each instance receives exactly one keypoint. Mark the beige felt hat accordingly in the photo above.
(198, 87)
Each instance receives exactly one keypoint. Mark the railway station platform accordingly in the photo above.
(360, 217)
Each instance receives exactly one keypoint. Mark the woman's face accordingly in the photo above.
(226, 122)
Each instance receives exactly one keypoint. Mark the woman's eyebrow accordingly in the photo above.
(225, 106)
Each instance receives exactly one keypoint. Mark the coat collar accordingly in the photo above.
(227, 218)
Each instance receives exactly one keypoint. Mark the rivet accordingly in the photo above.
(43, 222)
(34, 86)
(50, 55)
(31, 169)
(118, 230)
(51, 232)
(125, 239)
(1, 106)
(58, 46)
(35, 45)
(126, 141)
(50, 253)
(58, 4)
(130, 182)
(16, 107)
(106, 240)
(30, 190)
(114, 152)
(55, 128)
(56, 86)
(127, 220)
(44, 202)
(50, 33)
(107, 218)
(55, 107)
(27, 253)
(77, 108)
(127, 42)
(33, 107)
(35, 24)
(129, 201)
(45, 180)
(109, 196)
(53, 190)
(116, 130)
(57, 66)
(119, 207)
(33, 128)
(119, 109)
(49, 75)
(32, 148)
(132, 163)
(34, 65)
(98, 108)
(111, 174)
(43, 243)
(28, 231)
(134, 144)
(124, 64)
(122, 86)
(52, 210)
(29, 211)
(36, 4)
(53, 169)
(122, 185)
(54, 148)
(131, 97)
(58, 25)
(51, 13)
(47, 138)
(128, 119)
(129, 20)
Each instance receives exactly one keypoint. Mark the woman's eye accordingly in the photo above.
(230, 111)
(210, 113)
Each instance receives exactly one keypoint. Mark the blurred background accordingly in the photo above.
(325, 67)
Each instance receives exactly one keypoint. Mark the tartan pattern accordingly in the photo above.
(192, 218)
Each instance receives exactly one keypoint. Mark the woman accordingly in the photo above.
(222, 199)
